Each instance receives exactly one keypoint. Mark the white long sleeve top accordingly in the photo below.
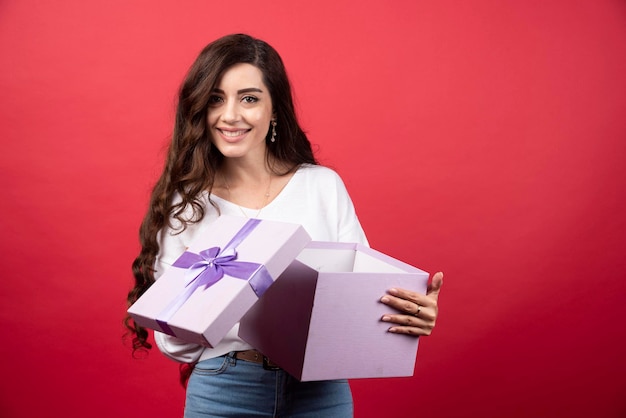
(315, 197)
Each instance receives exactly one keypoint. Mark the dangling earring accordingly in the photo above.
(273, 131)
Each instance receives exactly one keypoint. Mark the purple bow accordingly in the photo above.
(209, 266)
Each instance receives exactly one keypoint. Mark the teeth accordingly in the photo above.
(233, 133)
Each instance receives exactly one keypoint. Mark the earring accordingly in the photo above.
(273, 131)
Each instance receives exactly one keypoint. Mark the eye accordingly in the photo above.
(214, 100)
(249, 99)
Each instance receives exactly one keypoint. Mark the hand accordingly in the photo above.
(418, 312)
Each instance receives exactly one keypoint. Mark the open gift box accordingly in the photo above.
(222, 274)
(321, 318)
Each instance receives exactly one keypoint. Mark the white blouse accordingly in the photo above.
(315, 197)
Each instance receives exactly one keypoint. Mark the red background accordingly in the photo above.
(482, 138)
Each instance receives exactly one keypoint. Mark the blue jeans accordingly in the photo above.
(227, 387)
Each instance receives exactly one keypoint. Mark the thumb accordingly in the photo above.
(435, 285)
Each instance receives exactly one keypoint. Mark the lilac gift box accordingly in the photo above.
(321, 318)
(222, 274)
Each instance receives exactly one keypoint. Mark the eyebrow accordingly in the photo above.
(242, 91)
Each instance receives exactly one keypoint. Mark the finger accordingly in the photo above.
(435, 286)
(427, 313)
(409, 325)
(414, 331)
(407, 320)
(407, 295)
(405, 306)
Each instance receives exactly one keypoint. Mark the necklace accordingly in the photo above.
(266, 197)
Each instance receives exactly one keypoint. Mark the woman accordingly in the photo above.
(237, 149)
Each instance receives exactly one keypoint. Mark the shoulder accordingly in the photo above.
(320, 181)
(318, 173)
(189, 219)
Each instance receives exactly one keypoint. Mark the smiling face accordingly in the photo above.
(240, 113)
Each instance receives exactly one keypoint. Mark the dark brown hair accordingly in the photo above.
(192, 160)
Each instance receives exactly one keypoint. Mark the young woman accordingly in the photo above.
(237, 149)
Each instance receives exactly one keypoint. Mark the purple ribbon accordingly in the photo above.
(209, 266)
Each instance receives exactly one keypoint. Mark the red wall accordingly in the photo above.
(484, 138)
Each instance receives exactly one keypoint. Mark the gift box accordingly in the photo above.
(321, 319)
(222, 274)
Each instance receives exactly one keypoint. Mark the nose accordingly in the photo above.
(230, 112)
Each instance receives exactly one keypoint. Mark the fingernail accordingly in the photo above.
(393, 290)
(392, 330)
(384, 299)
(386, 318)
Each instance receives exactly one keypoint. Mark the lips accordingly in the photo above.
(232, 134)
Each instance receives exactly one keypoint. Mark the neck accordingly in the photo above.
(248, 186)
(236, 172)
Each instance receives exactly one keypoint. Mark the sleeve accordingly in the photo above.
(172, 245)
(348, 226)
(177, 349)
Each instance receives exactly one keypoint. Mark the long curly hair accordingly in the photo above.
(192, 160)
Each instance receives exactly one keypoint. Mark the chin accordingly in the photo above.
(240, 150)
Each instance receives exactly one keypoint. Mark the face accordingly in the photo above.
(240, 113)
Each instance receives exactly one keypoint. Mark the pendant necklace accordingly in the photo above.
(266, 197)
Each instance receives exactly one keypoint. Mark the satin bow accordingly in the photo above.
(209, 266)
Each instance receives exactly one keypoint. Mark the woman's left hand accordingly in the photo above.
(418, 313)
